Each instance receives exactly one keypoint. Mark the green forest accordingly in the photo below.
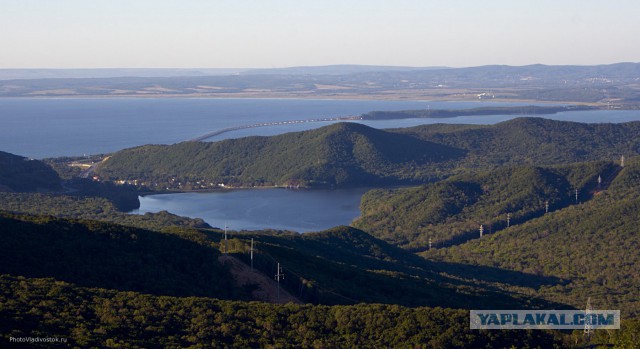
(452, 210)
(559, 212)
(349, 154)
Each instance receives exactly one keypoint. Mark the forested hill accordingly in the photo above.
(348, 154)
(18, 173)
(344, 265)
(587, 244)
(339, 154)
(332, 267)
(593, 244)
(97, 318)
(343, 262)
(451, 211)
(30, 179)
(97, 254)
(534, 141)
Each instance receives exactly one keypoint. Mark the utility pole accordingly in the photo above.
(226, 245)
(622, 161)
(251, 254)
(429, 243)
(576, 195)
(599, 181)
(508, 220)
(279, 276)
(546, 207)
(481, 230)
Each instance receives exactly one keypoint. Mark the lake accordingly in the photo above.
(254, 209)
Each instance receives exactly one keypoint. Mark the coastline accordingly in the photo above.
(319, 97)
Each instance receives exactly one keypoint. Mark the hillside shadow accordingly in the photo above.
(97, 254)
(321, 269)
(498, 275)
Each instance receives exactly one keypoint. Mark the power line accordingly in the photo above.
(317, 286)
(279, 276)
(226, 245)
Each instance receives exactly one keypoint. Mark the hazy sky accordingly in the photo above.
(279, 33)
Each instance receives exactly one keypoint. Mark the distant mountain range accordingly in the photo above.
(88, 73)
(341, 69)
(534, 71)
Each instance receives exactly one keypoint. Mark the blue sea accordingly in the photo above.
(40, 128)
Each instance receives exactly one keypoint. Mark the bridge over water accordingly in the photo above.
(274, 123)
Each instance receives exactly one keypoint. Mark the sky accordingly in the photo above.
(285, 33)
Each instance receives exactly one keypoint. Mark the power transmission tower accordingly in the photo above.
(508, 220)
(429, 243)
(251, 254)
(588, 319)
(546, 207)
(279, 276)
(622, 161)
(481, 230)
(576, 195)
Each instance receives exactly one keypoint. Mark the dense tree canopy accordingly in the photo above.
(356, 155)
(18, 173)
(451, 211)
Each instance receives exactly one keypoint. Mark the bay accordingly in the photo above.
(40, 128)
(255, 209)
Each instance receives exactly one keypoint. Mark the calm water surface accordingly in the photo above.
(41, 128)
(254, 209)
